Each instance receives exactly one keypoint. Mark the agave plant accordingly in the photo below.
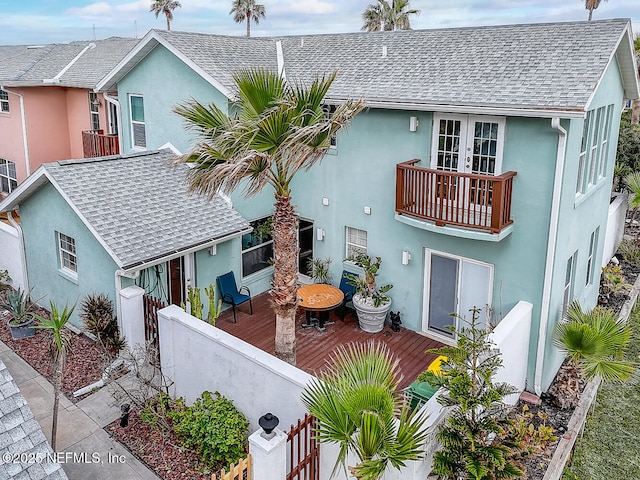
(18, 304)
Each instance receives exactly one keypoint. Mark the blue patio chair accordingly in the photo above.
(349, 290)
(230, 294)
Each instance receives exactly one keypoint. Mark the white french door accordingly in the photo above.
(453, 285)
(467, 144)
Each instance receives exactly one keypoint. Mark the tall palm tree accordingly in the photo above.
(58, 348)
(360, 408)
(165, 7)
(277, 129)
(382, 16)
(591, 5)
(245, 10)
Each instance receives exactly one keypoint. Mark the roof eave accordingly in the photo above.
(502, 110)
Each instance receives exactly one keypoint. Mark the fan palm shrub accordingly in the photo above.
(594, 342)
(360, 408)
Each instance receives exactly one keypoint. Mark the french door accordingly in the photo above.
(467, 144)
(452, 287)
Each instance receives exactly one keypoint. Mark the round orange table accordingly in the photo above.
(320, 298)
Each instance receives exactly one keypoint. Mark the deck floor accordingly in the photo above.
(314, 347)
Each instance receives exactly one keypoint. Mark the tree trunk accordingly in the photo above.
(590, 13)
(168, 25)
(635, 112)
(57, 385)
(284, 288)
(248, 24)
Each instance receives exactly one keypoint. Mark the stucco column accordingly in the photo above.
(269, 456)
(132, 316)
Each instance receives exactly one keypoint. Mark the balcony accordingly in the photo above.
(95, 143)
(463, 200)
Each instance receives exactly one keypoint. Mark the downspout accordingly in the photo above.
(114, 101)
(24, 129)
(551, 251)
(23, 256)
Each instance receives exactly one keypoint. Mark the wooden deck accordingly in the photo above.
(314, 347)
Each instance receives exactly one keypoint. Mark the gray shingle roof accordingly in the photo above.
(140, 207)
(554, 65)
(22, 65)
(220, 56)
(20, 433)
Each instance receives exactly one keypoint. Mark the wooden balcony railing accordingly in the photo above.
(96, 144)
(451, 198)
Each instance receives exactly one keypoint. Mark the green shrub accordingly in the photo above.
(630, 250)
(96, 311)
(213, 427)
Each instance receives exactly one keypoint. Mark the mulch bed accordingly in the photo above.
(85, 360)
(160, 452)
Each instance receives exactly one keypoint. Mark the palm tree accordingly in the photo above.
(359, 407)
(245, 10)
(277, 129)
(58, 349)
(595, 343)
(632, 181)
(382, 16)
(165, 7)
(591, 5)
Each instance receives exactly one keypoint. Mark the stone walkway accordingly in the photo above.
(85, 450)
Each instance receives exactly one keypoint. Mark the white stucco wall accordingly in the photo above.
(198, 357)
(10, 256)
(615, 227)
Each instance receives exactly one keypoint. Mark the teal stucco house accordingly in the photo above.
(480, 171)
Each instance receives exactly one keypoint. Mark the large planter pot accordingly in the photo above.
(371, 318)
(22, 330)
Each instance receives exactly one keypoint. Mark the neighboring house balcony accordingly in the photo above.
(95, 143)
(454, 203)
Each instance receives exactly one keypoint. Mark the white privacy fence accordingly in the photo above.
(198, 357)
(615, 227)
(10, 256)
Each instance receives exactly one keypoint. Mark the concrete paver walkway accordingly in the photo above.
(85, 450)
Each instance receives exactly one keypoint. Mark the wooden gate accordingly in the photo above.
(151, 333)
(303, 451)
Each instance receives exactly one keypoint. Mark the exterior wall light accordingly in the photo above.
(268, 422)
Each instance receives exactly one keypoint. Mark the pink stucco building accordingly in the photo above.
(48, 110)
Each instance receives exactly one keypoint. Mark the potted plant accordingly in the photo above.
(21, 320)
(319, 268)
(371, 302)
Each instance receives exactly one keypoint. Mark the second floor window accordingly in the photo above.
(593, 148)
(138, 126)
(356, 241)
(67, 253)
(8, 178)
(94, 103)
(4, 101)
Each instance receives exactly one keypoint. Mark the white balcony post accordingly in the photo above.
(269, 456)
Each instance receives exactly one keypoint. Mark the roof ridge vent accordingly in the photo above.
(384, 51)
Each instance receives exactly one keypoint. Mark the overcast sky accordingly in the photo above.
(48, 21)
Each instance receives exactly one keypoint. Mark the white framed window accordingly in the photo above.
(138, 126)
(257, 247)
(8, 177)
(328, 111)
(94, 103)
(605, 141)
(582, 164)
(568, 281)
(67, 253)
(4, 102)
(356, 242)
(593, 244)
(595, 144)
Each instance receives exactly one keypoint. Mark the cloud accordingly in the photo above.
(304, 7)
(93, 10)
(137, 6)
